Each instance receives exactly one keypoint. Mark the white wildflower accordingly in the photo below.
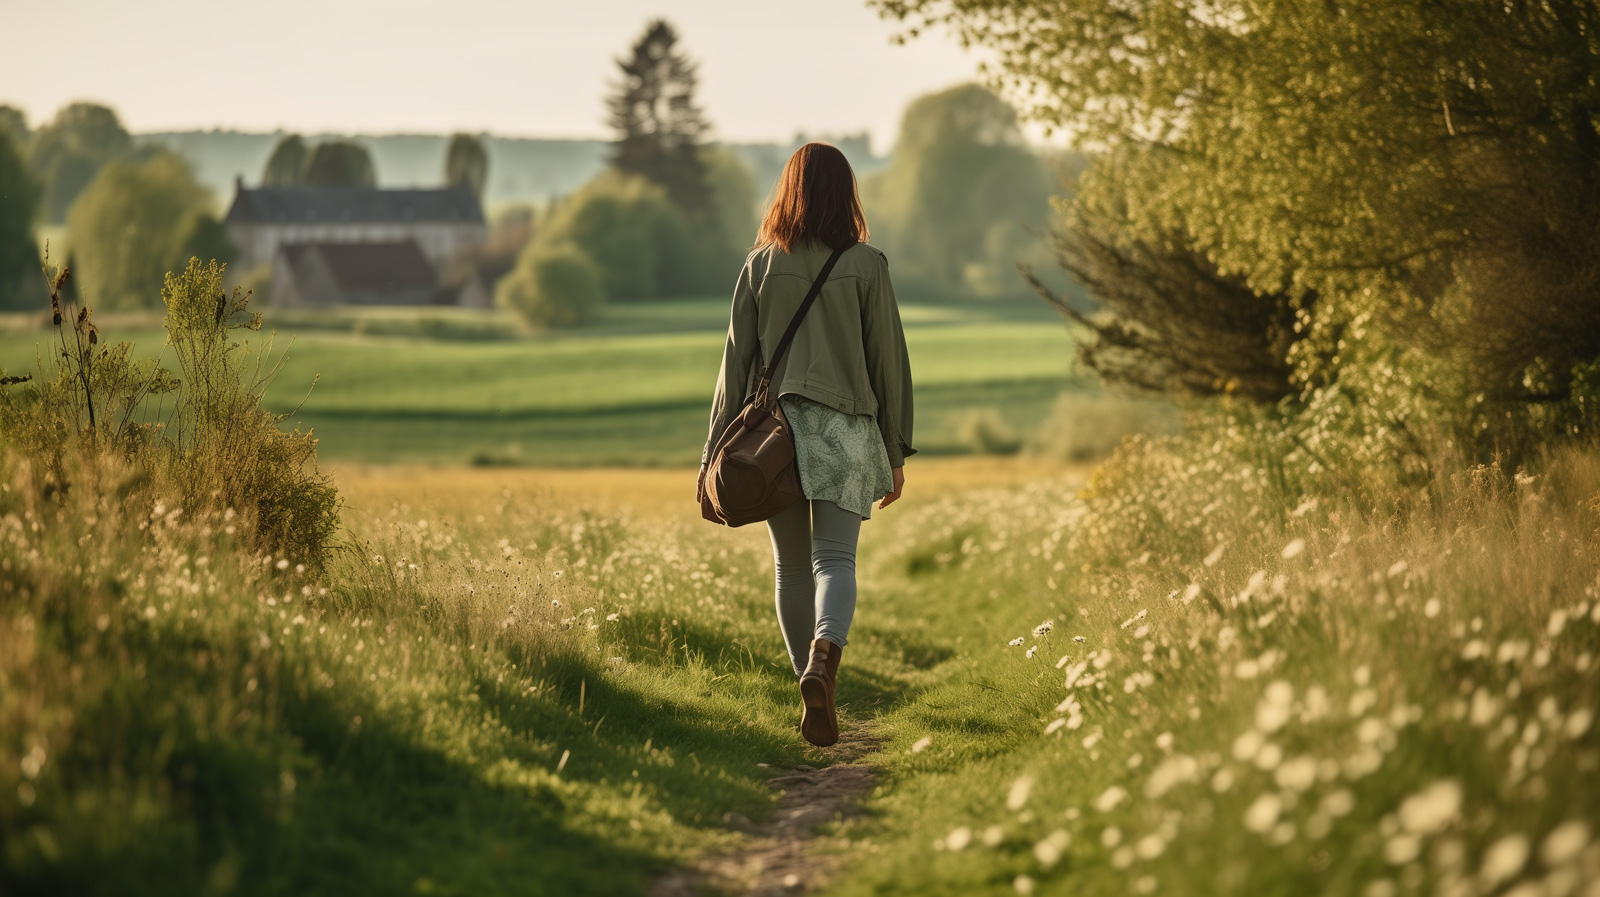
(1173, 771)
(1579, 722)
(993, 835)
(1504, 859)
(1401, 849)
(958, 839)
(1032, 650)
(1297, 775)
(1222, 780)
(1017, 797)
(1150, 846)
(1564, 842)
(1215, 555)
(1428, 811)
(1023, 885)
(1558, 622)
(1263, 813)
(1293, 549)
(1044, 628)
(1054, 725)
(1048, 851)
(1430, 609)
(1078, 638)
(1110, 798)
(1015, 642)
(921, 744)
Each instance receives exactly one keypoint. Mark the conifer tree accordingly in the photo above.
(659, 127)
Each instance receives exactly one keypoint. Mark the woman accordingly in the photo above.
(845, 388)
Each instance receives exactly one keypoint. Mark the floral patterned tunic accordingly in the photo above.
(841, 456)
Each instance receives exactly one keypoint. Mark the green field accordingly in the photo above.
(633, 389)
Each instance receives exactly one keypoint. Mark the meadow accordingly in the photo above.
(404, 386)
(563, 682)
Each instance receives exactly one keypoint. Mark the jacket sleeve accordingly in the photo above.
(738, 356)
(888, 366)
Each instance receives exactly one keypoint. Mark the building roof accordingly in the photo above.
(363, 267)
(366, 204)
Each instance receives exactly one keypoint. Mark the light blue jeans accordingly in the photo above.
(814, 551)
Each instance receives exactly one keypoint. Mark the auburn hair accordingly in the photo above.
(815, 199)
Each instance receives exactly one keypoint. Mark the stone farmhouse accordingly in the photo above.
(357, 245)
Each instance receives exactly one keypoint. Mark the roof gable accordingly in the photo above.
(354, 204)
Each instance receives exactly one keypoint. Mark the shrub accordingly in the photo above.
(212, 447)
(553, 286)
(631, 230)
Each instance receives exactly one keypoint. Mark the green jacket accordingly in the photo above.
(850, 351)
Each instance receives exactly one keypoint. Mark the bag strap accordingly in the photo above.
(794, 324)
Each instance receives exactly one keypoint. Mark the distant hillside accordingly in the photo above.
(520, 169)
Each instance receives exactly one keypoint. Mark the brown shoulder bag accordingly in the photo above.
(751, 475)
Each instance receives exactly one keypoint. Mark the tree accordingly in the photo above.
(137, 222)
(1426, 172)
(14, 124)
(286, 166)
(339, 163)
(20, 279)
(633, 232)
(68, 152)
(659, 128)
(956, 200)
(553, 286)
(466, 164)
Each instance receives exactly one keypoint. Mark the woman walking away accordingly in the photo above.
(844, 386)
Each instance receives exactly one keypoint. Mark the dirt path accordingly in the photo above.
(777, 857)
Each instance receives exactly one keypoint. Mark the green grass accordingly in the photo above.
(202, 726)
(634, 389)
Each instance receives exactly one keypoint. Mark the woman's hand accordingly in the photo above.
(899, 486)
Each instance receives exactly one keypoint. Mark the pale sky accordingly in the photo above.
(768, 69)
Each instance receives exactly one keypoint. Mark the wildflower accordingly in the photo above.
(1023, 885)
(611, 618)
(1246, 746)
(1504, 859)
(1048, 851)
(921, 744)
(1401, 849)
(1428, 811)
(1337, 803)
(1111, 837)
(1564, 842)
(1164, 741)
(1215, 555)
(1079, 638)
(1296, 775)
(1431, 608)
(1293, 549)
(958, 839)
(1222, 780)
(1150, 847)
(1017, 797)
(1044, 628)
(1171, 772)
(1015, 642)
(1110, 798)
(1051, 729)
(1558, 622)
(1579, 722)
(1032, 650)
(1263, 813)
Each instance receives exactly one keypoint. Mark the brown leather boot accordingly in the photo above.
(820, 724)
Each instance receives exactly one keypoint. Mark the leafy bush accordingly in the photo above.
(631, 230)
(553, 286)
(208, 445)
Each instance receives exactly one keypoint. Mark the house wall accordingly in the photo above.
(258, 242)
